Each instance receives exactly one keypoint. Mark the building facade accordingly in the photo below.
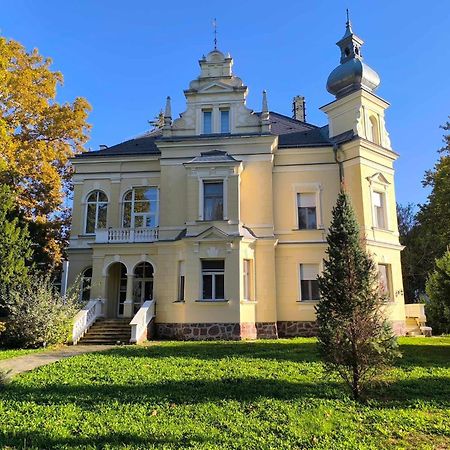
(221, 215)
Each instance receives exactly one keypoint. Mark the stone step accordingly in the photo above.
(103, 341)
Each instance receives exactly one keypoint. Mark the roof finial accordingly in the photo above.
(348, 24)
(167, 114)
(265, 108)
(214, 24)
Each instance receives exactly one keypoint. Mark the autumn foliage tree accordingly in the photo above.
(38, 136)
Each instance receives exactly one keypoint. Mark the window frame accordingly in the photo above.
(310, 288)
(133, 202)
(388, 272)
(181, 294)
(247, 279)
(204, 181)
(306, 188)
(307, 208)
(97, 203)
(211, 123)
(213, 273)
(85, 284)
(383, 208)
(221, 111)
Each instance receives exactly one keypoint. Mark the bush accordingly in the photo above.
(438, 291)
(37, 314)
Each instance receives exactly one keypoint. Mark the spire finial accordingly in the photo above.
(348, 24)
(168, 110)
(214, 24)
(265, 108)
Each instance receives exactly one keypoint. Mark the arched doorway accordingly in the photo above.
(117, 290)
(143, 285)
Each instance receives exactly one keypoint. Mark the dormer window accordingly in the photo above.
(224, 120)
(207, 121)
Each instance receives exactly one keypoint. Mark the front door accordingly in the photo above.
(122, 291)
(143, 285)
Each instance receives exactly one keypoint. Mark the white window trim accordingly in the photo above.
(299, 279)
(250, 277)
(308, 188)
(378, 183)
(388, 266)
(132, 219)
(213, 287)
(86, 205)
(201, 203)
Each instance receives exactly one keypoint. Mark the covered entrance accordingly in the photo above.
(128, 291)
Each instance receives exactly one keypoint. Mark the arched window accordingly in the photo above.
(143, 284)
(141, 208)
(374, 130)
(96, 211)
(86, 282)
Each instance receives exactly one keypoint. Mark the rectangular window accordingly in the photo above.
(246, 273)
(309, 286)
(306, 204)
(224, 120)
(181, 281)
(207, 121)
(213, 200)
(379, 209)
(213, 279)
(384, 279)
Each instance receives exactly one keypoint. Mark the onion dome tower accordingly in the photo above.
(352, 74)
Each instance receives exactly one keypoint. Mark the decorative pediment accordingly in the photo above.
(215, 88)
(378, 178)
(212, 234)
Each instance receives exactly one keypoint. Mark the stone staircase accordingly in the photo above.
(108, 331)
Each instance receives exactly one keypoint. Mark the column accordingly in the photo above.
(128, 304)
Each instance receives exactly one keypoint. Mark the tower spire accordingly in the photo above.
(214, 23)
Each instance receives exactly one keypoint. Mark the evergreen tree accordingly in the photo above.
(438, 291)
(15, 246)
(355, 339)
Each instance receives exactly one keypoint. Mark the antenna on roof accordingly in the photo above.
(214, 24)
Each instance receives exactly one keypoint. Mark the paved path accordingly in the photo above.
(25, 363)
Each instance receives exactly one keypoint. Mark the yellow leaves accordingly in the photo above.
(38, 136)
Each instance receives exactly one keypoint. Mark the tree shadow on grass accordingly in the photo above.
(425, 355)
(274, 350)
(41, 440)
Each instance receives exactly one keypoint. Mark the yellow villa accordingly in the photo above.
(213, 226)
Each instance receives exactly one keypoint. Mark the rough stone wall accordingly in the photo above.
(296, 328)
(205, 331)
(266, 330)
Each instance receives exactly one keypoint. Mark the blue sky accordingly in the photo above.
(126, 57)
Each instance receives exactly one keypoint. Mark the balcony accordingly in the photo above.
(125, 235)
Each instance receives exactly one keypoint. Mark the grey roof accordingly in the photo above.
(290, 132)
(216, 156)
(142, 145)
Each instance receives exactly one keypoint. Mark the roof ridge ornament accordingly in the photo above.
(214, 24)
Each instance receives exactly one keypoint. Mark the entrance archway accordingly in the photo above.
(117, 289)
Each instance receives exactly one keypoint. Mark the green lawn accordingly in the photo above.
(227, 395)
(12, 353)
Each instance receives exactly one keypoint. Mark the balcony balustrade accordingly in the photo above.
(125, 235)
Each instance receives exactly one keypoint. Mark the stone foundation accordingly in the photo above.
(206, 331)
(238, 331)
(296, 328)
(266, 330)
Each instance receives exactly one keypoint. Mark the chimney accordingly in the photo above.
(103, 147)
(299, 108)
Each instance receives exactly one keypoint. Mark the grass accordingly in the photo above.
(227, 395)
(12, 353)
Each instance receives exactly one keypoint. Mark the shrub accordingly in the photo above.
(438, 291)
(37, 314)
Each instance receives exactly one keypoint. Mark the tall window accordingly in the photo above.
(86, 282)
(307, 218)
(213, 279)
(224, 120)
(97, 208)
(309, 285)
(374, 130)
(143, 285)
(246, 273)
(140, 208)
(384, 279)
(379, 209)
(213, 200)
(207, 121)
(181, 281)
